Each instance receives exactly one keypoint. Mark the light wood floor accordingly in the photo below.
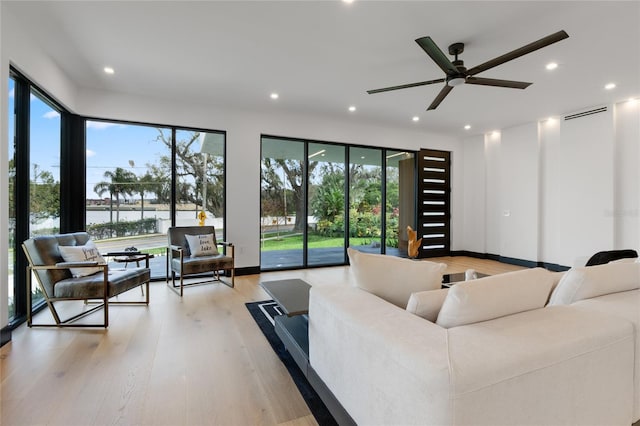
(198, 360)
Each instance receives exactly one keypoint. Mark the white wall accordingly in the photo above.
(556, 191)
(627, 175)
(551, 198)
(492, 192)
(519, 182)
(474, 219)
(585, 180)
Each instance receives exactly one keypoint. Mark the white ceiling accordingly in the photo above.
(322, 56)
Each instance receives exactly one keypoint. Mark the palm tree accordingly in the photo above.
(121, 181)
(144, 183)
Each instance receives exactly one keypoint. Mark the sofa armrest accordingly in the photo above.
(378, 359)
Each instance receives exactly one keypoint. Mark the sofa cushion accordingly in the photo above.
(495, 296)
(201, 245)
(592, 281)
(86, 253)
(394, 278)
(427, 304)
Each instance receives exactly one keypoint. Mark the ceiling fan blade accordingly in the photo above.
(497, 83)
(531, 47)
(405, 86)
(437, 55)
(443, 94)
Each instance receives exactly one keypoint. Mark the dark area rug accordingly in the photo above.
(263, 313)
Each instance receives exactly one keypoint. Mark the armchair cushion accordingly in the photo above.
(201, 245)
(92, 286)
(86, 253)
(202, 264)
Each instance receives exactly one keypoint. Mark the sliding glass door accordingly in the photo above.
(327, 204)
(283, 209)
(365, 199)
(319, 197)
(11, 232)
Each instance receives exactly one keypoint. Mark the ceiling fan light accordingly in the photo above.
(456, 81)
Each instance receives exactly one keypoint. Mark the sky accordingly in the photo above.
(109, 145)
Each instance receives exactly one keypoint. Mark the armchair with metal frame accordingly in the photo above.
(181, 261)
(55, 280)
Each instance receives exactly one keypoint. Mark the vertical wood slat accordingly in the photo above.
(434, 202)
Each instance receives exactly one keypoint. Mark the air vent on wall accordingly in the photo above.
(585, 113)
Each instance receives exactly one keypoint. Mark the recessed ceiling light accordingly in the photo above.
(467, 127)
(416, 118)
(108, 70)
(551, 66)
(610, 86)
(347, 1)
(352, 108)
(274, 96)
(362, 158)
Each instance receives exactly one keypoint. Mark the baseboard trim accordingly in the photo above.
(511, 260)
(5, 336)
(247, 270)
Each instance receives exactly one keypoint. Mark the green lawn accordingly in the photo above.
(315, 241)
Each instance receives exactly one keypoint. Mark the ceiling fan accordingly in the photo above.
(457, 74)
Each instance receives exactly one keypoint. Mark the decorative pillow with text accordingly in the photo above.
(86, 253)
(201, 245)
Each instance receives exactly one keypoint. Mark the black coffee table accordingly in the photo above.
(292, 296)
(451, 279)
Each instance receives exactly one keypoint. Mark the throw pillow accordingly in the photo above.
(201, 245)
(86, 253)
(593, 281)
(427, 304)
(495, 296)
(394, 278)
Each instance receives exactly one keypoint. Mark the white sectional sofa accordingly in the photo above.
(492, 351)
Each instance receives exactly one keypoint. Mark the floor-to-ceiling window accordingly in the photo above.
(130, 171)
(44, 170)
(283, 195)
(11, 232)
(200, 178)
(127, 185)
(327, 220)
(365, 199)
(313, 192)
